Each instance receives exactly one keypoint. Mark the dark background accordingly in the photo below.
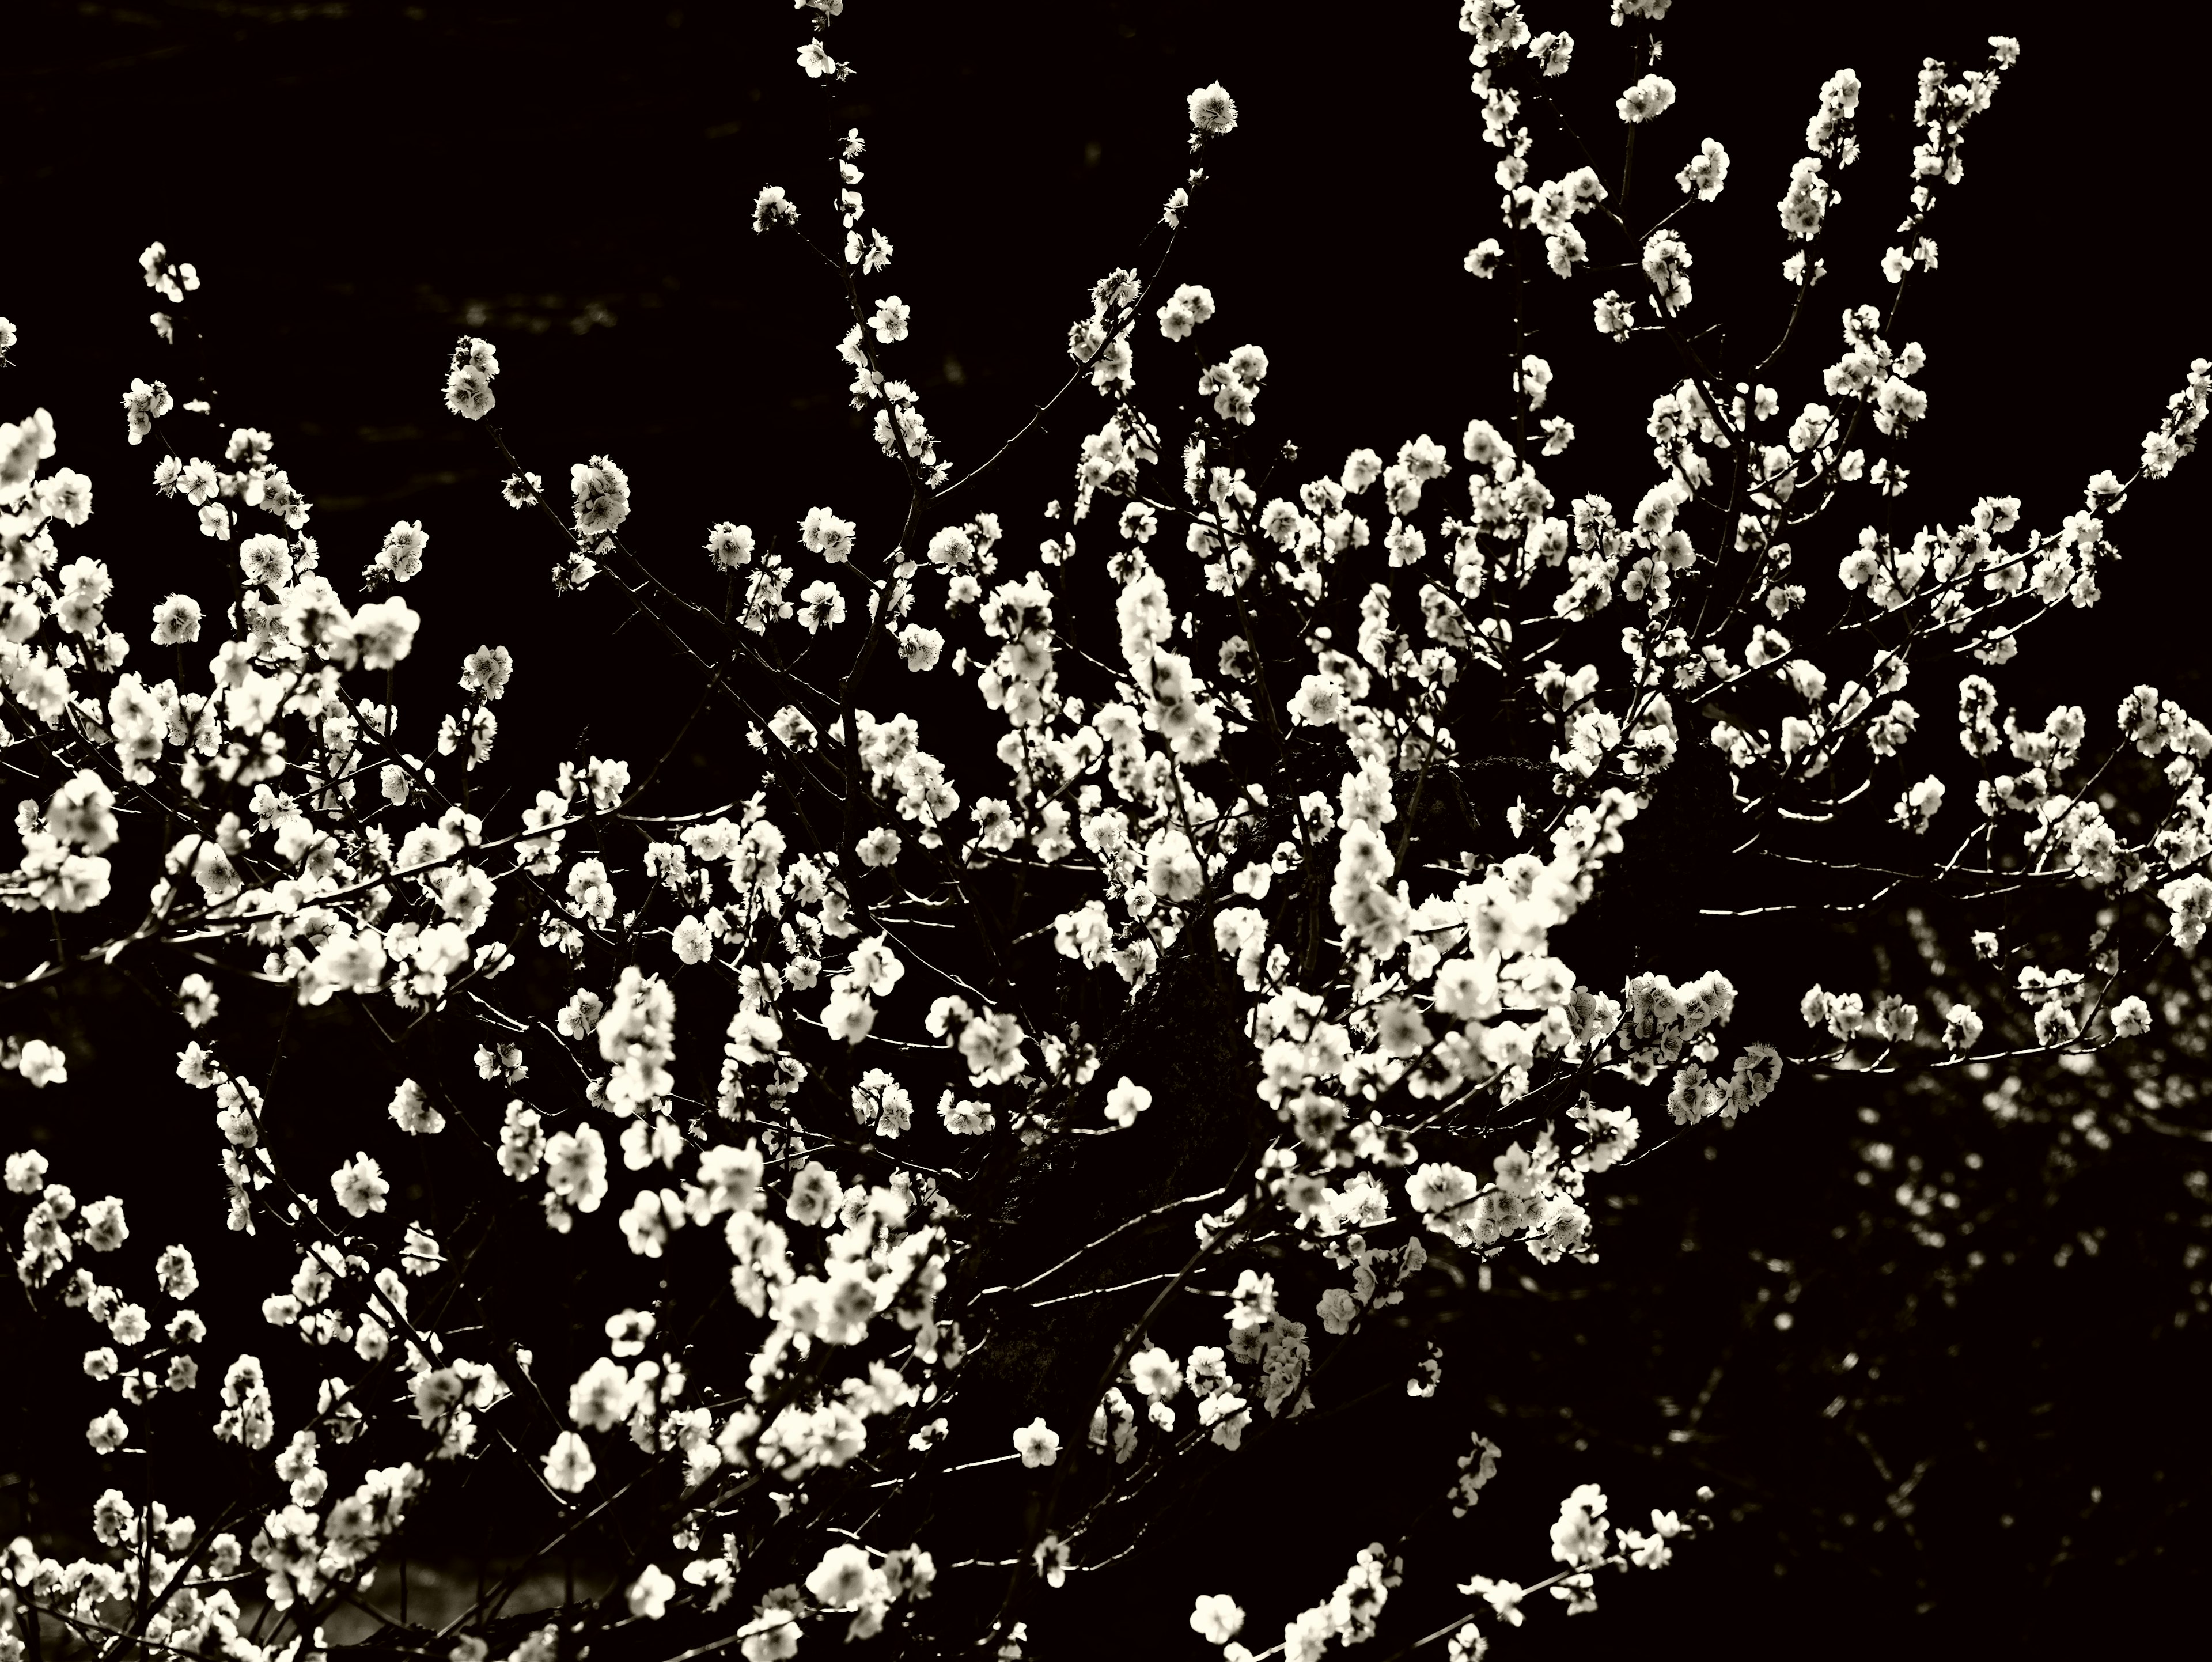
(359, 184)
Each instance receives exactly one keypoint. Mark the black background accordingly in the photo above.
(359, 184)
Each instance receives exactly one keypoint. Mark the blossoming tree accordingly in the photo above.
(1031, 1085)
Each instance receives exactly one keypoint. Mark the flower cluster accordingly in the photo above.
(1330, 815)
